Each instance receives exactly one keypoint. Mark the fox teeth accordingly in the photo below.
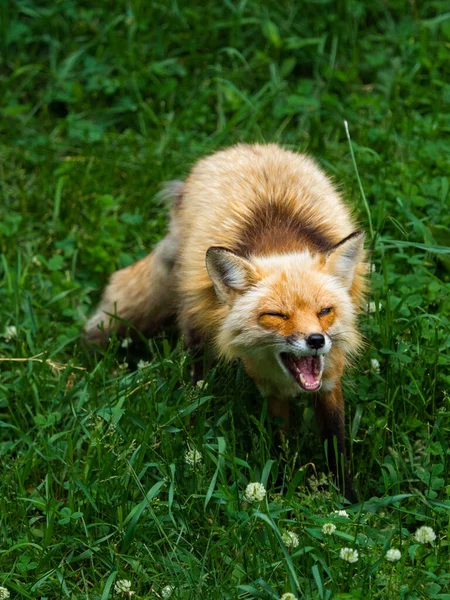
(302, 379)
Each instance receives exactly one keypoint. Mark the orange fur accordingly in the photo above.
(254, 230)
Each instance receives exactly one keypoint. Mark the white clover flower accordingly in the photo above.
(371, 307)
(349, 555)
(123, 367)
(375, 365)
(290, 539)
(167, 591)
(126, 342)
(4, 593)
(255, 492)
(425, 535)
(142, 364)
(123, 586)
(341, 513)
(288, 596)
(393, 555)
(193, 458)
(9, 333)
(328, 528)
(202, 385)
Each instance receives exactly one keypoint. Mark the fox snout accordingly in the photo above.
(313, 343)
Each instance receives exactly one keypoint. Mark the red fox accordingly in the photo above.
(263, 262)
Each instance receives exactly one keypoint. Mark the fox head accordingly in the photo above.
(290, 317)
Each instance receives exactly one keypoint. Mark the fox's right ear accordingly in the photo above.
(229, 272)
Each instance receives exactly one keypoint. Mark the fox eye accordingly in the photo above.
(274, 314)
(325, 311)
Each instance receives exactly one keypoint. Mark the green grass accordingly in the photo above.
(101, 103)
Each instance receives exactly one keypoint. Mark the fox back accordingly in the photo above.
(271, 226)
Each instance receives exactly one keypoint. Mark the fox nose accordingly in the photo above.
(316, 341)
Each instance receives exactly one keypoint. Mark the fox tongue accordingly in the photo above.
(307, 370)
(309, 367)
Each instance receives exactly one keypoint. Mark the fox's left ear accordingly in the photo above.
(229, 272)
(343, 259)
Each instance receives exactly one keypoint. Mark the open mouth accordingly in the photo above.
(306, 370)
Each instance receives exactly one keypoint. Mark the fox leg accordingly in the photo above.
(143, 294)
(329, 410)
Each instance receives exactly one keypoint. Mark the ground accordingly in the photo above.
(100, 104)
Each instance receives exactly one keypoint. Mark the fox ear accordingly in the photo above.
(228, 272)
(343, 259)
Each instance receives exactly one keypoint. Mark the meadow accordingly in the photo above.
(119, 477)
